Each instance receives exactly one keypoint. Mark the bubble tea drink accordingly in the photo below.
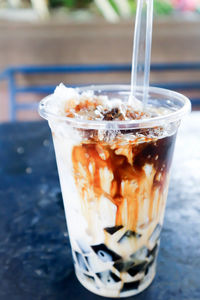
(114, 161)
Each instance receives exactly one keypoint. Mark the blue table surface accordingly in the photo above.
(35, 257)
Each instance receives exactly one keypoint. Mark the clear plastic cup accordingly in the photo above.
(114, 177)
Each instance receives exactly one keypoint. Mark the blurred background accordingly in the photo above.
(45, 42)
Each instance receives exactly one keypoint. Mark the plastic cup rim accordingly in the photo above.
(114, 125)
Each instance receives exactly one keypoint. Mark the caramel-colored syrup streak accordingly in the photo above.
(125, 182)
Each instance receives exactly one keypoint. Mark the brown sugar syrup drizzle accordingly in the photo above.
(89, 157)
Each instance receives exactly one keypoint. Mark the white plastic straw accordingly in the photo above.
(136, 44)
(147, 61)
(142, 49)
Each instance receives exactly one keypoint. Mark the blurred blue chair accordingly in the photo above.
(14, 89)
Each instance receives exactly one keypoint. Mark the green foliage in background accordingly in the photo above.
(133, 5)
(72, 4)
(161, 7)
(114, 6)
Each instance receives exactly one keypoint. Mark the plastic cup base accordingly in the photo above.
(113, 293)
